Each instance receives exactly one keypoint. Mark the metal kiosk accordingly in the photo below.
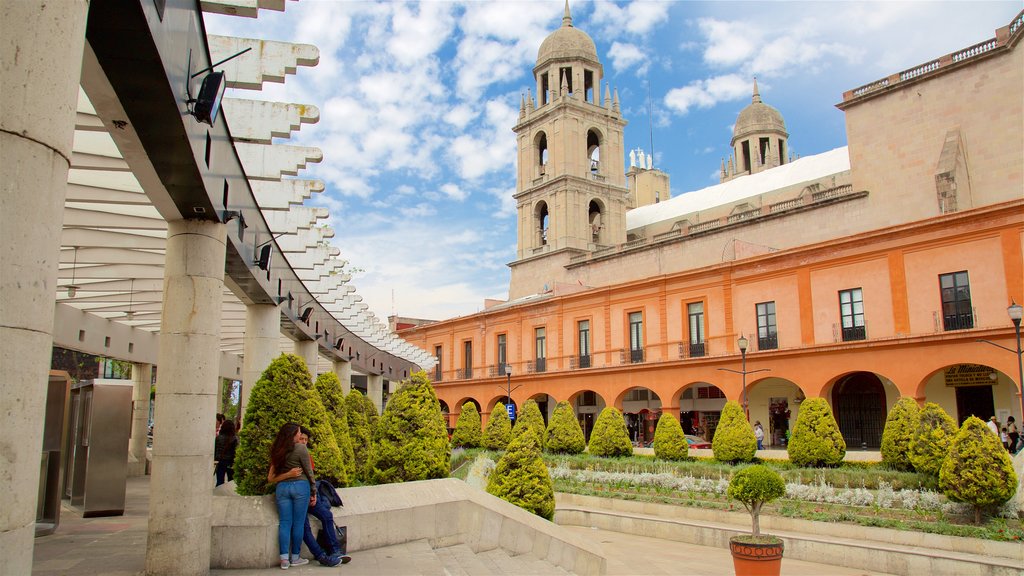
(101, 420)
(51, 466)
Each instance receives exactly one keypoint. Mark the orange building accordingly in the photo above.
(860, 275)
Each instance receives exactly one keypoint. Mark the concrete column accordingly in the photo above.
(375, 390)
(260, 346)
(343, 370)
(310, 352)
(181, 489)
(142, 376)
(40, 65)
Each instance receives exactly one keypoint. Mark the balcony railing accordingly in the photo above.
(636, 356)
(463, 373)
(768, 342)
(853, 333)
(437, 373)
(583, 361)
(697, 349)
(957, 321)
(538, 365)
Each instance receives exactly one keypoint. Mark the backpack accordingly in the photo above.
(342, 533)
(325, 491)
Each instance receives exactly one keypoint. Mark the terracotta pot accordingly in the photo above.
(756, 559)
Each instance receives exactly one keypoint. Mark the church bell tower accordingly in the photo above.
(571, 194)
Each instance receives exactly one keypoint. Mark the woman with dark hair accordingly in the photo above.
(295, 491)
(224, 451)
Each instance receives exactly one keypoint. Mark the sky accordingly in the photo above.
(417, 102)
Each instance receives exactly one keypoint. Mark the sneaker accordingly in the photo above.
(345, 558)
(285, 564)
(299, 562)
(326, 560)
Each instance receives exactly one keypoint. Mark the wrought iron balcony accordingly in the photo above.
(636, 356)
(768, 342)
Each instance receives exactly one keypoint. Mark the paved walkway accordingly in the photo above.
(116, 546)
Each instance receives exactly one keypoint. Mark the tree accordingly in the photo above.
(609, 437)
(329, 388)
(755, 486)
(977, 471)
(816, 440)
(411, 439)
(530, 417)
(467, 429)
(564, 435)
(498, 431)
(734, 439)
(362, 416)
(899, 432)
(284, 393)
(934, 434)
(669, 440)
(521, 477)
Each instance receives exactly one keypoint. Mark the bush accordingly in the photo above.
(564, 435)
(934, 434)
(977, 471)
(284, 393)
(522, 478)
(609, 437)
(755, 486)
(411, 439)
(467, 428)
(816, 440)
(329, 388)
(669, 440)
(899, 431)
(734, 439)
(530, 417)
(362, 418)
(498, 431)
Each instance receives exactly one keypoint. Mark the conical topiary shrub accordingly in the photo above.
(734, 439)
(329, 388)
(816, 440)
(900, 426)
(609, 437)
(978, 470)
(669, 440)
(934, 434)
(467, 429)
(498, 431)
(284, 393)
(411, 440)
(522, 478)
(362, 416)
(531, 417)
(564, 435)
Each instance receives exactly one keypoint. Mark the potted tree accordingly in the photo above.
(756, 554)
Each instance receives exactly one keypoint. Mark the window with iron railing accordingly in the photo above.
(540, 365)
(696, 349)
(636, 337)
(583, 361)
(636, 356)
(583, 338)
(767, 338)
(437, 368)
(541, 349)
(695, 314)
(467, 359)
(957, 312)
(437, 373)
(851, 312)
(768, 343)
(502, 358)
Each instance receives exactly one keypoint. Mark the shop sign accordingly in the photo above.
(968, 375)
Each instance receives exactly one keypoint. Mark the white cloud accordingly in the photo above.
(459, 116)
(637, 17)
(454, 192)
(707, 93)
(418, 35)
(420, 210)
(624, 56)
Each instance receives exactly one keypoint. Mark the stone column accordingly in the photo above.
(181, 490)
(375, 390)
(142, 376)
(40, 65)
(310, 352)
(343, 370)
(260, 345)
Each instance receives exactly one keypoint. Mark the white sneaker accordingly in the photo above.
(285, 564)
(299, 562)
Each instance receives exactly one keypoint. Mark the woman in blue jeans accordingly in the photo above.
(295, 491)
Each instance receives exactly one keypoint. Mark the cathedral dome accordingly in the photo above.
(567, 43)
(758, 117)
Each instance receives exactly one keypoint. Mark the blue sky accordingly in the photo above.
(418, 99)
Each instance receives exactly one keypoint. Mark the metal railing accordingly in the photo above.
(583, 361)
(768, 342)
(636, 356)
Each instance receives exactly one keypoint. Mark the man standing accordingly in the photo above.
(993, 425)
(759, 434)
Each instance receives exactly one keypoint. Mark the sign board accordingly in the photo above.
(969, 375)
(511, 411)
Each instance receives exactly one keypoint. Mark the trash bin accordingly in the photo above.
(55, 429)
(101, 419)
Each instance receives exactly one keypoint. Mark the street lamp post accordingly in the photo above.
(508, 386)
(1014, 311)
(742, 344)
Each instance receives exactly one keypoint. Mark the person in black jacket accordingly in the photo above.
(224, 452)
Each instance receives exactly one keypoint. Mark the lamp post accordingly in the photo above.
(1014, 311)
(742, 344)
(508, 387)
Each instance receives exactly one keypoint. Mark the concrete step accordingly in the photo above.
(499, 561)
(416, 557)
(460, 560)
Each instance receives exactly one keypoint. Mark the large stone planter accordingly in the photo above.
(762, 557)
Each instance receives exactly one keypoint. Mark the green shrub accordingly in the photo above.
(564, 435)
(284, 393)
(362, 418)
(498, 431)
(934, 434)
(669, 440)
(522, 478)
(609, 437)
(755, 486)
(329, 388)
(734, 439)
(411, 439)
(467, 428)
(530, 417)
(816, 440)
(899, 431)
(977, 470)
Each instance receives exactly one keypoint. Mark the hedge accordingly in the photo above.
(609, 437)
(816, 440)
(734, 439)
(411, 439)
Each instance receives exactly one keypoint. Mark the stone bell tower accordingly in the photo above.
(571, 193)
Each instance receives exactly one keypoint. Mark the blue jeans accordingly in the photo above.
(292, 502)
(322, 512)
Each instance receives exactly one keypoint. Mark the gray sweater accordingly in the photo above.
(299, 457)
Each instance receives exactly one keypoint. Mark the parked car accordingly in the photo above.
(697, 442)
